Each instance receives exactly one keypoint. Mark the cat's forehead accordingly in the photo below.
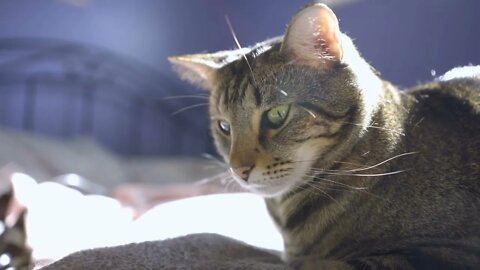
(244, 81)
(248, 86)
(265, 77)
(264, 81)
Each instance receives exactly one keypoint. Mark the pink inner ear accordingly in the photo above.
(314, 36)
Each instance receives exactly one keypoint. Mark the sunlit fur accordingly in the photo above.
(361, 175)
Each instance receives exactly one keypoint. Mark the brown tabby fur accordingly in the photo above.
(392, 178)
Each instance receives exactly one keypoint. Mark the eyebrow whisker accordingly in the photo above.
(240, 47)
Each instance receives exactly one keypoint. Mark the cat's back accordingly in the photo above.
(443, 125)
(442, 177)
(448, 105)
(456, 92)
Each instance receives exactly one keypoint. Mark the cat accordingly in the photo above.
(355, 173)
(14, 251)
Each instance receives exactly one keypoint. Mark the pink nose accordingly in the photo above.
(243, 172)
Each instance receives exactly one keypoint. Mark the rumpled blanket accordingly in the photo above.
(196, 251)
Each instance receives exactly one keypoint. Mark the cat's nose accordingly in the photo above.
(243, 172)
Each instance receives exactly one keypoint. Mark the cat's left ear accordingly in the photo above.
(201, 69)
(313, 37)
(198, 69)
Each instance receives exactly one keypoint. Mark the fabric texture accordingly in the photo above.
(196, 251)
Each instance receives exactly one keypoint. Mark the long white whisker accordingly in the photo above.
(215, 160)
(214, 178)
(322, 191)
(312, 114)
(346, 187)
(357, 174)
(378, 164)
(186, 96)
(229, 184)
(240, 47)
(376, 127)
(336, 183)
(324, 186)
(300, 185)
(188, 108)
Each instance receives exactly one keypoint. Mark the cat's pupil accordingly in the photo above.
(224, 126)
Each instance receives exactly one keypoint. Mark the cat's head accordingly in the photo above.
(289, 105)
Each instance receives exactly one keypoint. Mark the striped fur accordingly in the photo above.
(360, 175)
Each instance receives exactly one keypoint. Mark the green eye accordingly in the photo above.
(277, 115)
(224, 127)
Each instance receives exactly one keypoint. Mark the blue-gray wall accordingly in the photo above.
(403, 39)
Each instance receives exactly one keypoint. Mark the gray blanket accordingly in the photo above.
(196, 251)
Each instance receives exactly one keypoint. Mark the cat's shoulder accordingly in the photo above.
(459, 87)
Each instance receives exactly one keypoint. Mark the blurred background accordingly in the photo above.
(97, 69)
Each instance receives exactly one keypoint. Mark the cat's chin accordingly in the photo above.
(268, 190)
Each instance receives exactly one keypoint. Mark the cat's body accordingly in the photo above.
(427, 215)
(356, 174)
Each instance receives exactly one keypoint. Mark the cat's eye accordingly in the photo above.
(277, 115)
(224, 127)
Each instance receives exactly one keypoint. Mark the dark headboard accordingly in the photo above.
(64, 89)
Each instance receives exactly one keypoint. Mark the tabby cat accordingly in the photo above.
(14, 252)
(355, 173)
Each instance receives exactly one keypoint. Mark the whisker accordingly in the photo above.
(363, 168)
(324, 186)
(211, 165)
(214, 178)
(376, 165)
(240, 47)
(349, 163)
(357, 174)
(336, 182)
(322, 191)
(376, 127)
(229, 183)
(185, 96)
(346, 187)
(300, 185)
(215, 160)
(188, 108)
(312, 114)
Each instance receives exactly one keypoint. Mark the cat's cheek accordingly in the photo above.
(306, 155)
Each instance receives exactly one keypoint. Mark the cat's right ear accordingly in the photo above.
(313, 37)
(198, 69)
